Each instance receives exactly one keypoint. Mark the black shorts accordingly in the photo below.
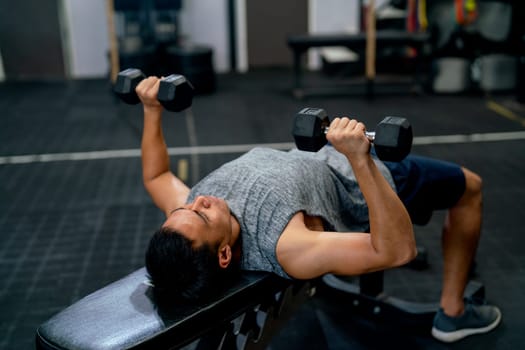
(426, 184)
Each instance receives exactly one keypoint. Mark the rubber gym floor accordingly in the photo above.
(73, 219)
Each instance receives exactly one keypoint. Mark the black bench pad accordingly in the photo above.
(123, 315)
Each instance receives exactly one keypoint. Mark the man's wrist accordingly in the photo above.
(360, 161)
(152, 111)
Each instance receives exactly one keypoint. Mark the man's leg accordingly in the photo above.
(461, 232)
(460, 238)
(425, 185)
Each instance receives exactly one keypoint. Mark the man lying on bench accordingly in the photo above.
(303, 215)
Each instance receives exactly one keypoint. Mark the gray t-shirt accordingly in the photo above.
(264, 188)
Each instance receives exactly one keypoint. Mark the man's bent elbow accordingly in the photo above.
(400, 257)
(407, 255)
(402, 252)
(407, 251)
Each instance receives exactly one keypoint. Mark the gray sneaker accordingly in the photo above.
(475, 320)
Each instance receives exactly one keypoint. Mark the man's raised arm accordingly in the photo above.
(391, 231)
(306, 253)
(165, 189)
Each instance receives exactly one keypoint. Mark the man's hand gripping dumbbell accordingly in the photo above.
(175, 91)
(392, 138)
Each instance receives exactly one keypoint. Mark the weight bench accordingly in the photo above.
(123, 315)
(299, 44)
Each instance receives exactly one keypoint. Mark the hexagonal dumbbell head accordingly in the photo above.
(393, 139)
(127, 81)
(309, 129)
(175, 93)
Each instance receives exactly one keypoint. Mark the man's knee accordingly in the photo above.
(473, 187)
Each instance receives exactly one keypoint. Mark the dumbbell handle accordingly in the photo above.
(371, 135)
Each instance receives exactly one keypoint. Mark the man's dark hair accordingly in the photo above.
(180, 271)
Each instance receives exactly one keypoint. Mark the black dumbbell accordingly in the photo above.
(392, 138)
(127, 81)
(175, 91)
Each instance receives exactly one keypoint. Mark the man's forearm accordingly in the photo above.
(155, 158)
(390, 226)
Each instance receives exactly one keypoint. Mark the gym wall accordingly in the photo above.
(56, 39)
(267, 29)
(69, 38)
(343, 15)
(205, 22)
(86, 37)
(30, 40)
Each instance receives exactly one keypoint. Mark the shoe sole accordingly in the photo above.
(449, 337)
